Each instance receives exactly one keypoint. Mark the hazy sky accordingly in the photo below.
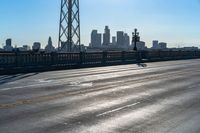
(172, 21)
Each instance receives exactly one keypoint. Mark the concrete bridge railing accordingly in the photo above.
(29, 61)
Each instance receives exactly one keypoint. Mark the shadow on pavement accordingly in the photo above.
(11, 78)
(141, 65)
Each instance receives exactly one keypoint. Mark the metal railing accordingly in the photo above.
(11, 60)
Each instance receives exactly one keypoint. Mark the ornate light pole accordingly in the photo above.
(135, 39)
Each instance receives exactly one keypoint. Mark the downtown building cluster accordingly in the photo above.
(36, 47)
(106, 42)
(123, 42)
(99, 42)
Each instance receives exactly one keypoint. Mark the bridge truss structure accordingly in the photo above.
(69, 27)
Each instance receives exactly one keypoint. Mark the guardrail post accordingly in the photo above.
(16, 59)
(159, 55)
(123, 56)
(52, 58)
(198, 53)
(104, 57)
(139, 56)
(147, 55)
(144, 55)
(81, 54)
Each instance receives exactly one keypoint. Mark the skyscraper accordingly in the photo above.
(126, 40)
(120, 38)
(8, 46)
(9, 42)
(106, 36)
(95, 39)
(114, 41)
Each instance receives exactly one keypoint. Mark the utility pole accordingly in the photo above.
(69, 26)
(135, 39)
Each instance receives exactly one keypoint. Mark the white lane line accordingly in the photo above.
(117, 109)
(44, 81)
(28, 86)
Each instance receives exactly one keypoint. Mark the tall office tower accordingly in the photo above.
(126, 40)
(120, 38)
(114, 41)
(8, 46)
(9, 42)
(106, 36)
(95, 39)
(69, 27)
(155, 44)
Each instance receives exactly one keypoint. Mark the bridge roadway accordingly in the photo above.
(162, 97)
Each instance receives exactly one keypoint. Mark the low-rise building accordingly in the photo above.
(24, 48)
(36, 46)
(163, 45)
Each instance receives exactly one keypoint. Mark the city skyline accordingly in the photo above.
(42, 17)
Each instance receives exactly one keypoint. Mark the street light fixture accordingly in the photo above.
(135, 39)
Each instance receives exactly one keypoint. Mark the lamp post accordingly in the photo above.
(135, 39)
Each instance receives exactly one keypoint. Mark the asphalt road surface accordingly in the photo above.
(162, 97)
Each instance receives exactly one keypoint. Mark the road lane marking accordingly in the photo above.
(117, 109)
(44, 81)
(28, 86)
